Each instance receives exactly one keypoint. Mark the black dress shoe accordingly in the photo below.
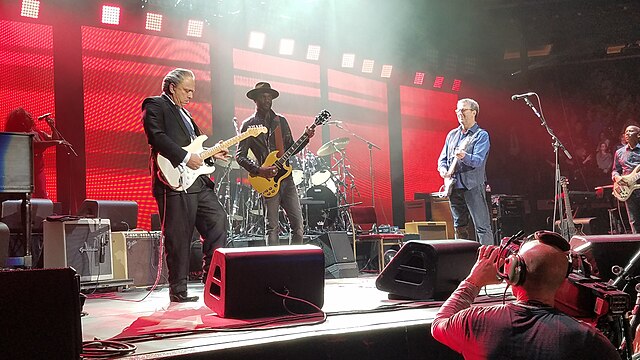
(182, 297)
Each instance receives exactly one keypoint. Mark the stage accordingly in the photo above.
(361, 323)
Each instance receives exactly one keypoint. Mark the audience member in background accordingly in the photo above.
(625, 160)
(529, 328)
(169, 128)
(19, 120)
(604, 158)
(468, 192)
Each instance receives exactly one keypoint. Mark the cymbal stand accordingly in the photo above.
(342, 188)
(226, 197)
(370, 145)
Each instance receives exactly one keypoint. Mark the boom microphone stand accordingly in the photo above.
(557, 207)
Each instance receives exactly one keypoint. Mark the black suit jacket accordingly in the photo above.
(167, 134)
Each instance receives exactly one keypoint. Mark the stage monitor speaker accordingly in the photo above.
(338, 254)
(5, 237)
(123, 214)
(601, 252)
(135, 257)
(241, 281)
(428, 269)
(83, 244)
(40, 314)
(12, 214)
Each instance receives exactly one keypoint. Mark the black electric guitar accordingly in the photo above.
(270, 187)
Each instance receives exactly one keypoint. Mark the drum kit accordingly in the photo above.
(322, 181)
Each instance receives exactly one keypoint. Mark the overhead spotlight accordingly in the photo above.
(367, 66)
(419, 78)
(30, 8)
(348, 60)
(313, 52)
(154, 22)
(194, 28)
(286, 46)
(256, 40)
(437, 83)
(110, 15)
(386, 71)
(456, 85)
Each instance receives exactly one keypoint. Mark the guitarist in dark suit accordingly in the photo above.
(625, 161)
(468, 196)
(169, 127)
(278, 137)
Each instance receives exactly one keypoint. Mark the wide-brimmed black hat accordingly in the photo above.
(261, 88)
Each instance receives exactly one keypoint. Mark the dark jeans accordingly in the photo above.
(471, 203)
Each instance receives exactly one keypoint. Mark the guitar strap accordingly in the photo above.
(279, 138)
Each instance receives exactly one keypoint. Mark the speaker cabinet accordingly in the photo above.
(338, 254)
(415, 210)
(123, 214)
(83, 244)
(135, 256)
(40, 314)
(428, 230)
(599, 253)
(428, 269)
(241, 281)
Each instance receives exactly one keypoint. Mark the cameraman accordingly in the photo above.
(529, 328)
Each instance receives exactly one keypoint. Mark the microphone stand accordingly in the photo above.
(370, 145)
(556, 145)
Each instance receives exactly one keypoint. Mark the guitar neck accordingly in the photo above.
(223, 145)
(294, 148)
(567, 209)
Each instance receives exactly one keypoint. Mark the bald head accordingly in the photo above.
(546, 268)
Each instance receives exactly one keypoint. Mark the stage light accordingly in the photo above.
(419, 78)
(348, 60)
(110, 15)
(154, 22)
(456, 85)
(313, 52)
(286, 46)
(437, 83)
(194, 28)
(256, 40)
(386, 71)
(30, 8)
(367, 66)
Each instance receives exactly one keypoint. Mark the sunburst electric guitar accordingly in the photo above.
(270, 187)
(181, 177)
(623, 192)
(449, 177)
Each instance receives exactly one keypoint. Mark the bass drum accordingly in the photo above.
(321, 216)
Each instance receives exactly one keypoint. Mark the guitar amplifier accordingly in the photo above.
(135, 256)
(83, 244)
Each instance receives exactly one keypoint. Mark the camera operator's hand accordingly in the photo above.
(484, 270)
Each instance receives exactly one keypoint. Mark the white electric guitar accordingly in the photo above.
(623, 192)
(182, 177)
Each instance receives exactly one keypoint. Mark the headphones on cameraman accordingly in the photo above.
(514, 269)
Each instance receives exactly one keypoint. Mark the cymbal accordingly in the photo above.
(333, 146)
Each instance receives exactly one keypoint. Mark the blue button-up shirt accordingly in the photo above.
(625, 160)
(470, 171)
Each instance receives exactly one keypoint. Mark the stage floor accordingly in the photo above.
(354, 309)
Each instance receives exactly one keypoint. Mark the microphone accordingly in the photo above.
(44, 116)
(522, 96)
(334, 122)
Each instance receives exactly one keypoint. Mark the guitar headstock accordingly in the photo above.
(256, 130)
(322, 118)
(564, 181)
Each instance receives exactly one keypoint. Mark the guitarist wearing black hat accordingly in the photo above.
(462, 166)
(278, 138)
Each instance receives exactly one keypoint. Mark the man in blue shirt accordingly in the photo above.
(625, 161)
(462, 165)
